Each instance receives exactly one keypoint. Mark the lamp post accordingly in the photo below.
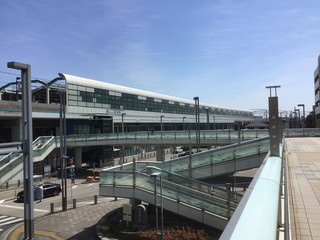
(156, 176)
(161, 129)
(197, 114)
(183, 126)
(122, 149)
(122, 121)
(208, 122)
(27, 147)
(63, 150)
(304, 114)
(299, 116)
(214, 122)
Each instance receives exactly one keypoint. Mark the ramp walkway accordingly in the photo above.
(183, 194)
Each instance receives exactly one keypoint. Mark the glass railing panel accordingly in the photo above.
(222, 134)
(170, 190)
(223, 155)
(167, 135)
(189, 198)
(217, 207)
(107, 177)
(246, 150)
(145, 182)
(123, 179)
(199, 160)
(178, 165)
(264, 146)
(11, 165)
(101, 137)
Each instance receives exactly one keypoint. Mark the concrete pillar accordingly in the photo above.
(16, 133)
(78, 157)
(160, 153)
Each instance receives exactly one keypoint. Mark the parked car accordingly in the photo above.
(49, 189)
(185, 154)
(177, 150)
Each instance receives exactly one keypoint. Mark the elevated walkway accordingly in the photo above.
(183, 194)
(11, 164)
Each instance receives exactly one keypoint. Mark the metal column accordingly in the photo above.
(27, 148)
(63, 150)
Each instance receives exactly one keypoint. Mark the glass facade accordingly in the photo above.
(100, 98)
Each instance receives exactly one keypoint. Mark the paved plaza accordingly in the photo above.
(303, 160)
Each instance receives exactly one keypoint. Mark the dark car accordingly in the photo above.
(49, 189)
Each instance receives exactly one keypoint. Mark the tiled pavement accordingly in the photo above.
(78, 223)
(303, 161)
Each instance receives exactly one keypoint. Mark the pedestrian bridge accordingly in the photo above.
(184, 194)
(11, 163)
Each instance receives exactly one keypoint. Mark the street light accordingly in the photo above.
(122, 117)
(27, 147)
(155, 176)
(183, 126)
(214, 122)
(161, 129)
(196, 102)
(208, 121)
(304, 114)
(122, 150)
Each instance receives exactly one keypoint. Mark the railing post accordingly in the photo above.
(228, 199)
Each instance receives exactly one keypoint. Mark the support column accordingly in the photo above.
(78, 157)
(160, 153)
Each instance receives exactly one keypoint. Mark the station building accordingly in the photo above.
(94, 107)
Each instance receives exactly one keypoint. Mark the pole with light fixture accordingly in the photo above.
(159, 235)
(161, 126)
(27, 148)
(304, 114)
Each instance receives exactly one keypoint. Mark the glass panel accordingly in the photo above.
(123, 179)
(106, 177)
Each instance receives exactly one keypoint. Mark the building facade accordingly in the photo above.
(94, 107)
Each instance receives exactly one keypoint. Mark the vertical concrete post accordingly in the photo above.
(160, 153)
(275, 124)
(78, 157)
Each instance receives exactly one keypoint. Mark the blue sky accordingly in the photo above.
(224, 51)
